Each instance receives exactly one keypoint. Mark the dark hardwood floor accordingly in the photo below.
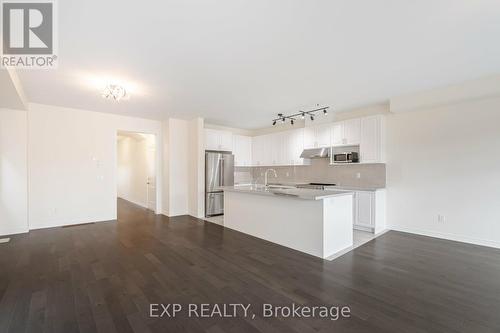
(102, 278)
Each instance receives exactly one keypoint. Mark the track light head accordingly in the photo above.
(303, 115)
(325, 112)
(274, 122)
(312, 118)
(291, 122)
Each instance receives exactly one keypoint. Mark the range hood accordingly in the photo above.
(315, 153)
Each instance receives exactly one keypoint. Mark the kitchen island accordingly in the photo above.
(316, 222)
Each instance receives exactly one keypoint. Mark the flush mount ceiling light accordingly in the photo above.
(114, 92)
(301, 114)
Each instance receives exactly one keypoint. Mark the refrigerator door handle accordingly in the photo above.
(222, 172)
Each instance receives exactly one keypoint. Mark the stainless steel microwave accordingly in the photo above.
(346, 157)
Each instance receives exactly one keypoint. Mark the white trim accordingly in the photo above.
(74, 222)
(448, 236)
(142, 204)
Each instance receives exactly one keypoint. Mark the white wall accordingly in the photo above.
(196, 200)
(72, 164)
(445, 161)
(183, 167)
(13, 172)
(176, 167)
(136, 163)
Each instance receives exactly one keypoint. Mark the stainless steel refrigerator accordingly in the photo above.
(219, 171)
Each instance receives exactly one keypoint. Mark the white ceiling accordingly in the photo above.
(239, 62)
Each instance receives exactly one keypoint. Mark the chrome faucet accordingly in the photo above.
(265, 176)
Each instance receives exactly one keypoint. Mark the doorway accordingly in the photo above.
(136, 168)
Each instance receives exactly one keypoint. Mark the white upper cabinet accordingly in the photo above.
(226, 140)
(285, 148)
(352, 131)
(337, 133)
(261, 150)
(282, 148)
(346, 133)
(372, 140)
(257, 150)
(317, 136)
(218, 140)
(242, 150)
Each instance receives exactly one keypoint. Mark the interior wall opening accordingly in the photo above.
(136, 168)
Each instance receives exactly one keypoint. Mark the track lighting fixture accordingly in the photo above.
(301, 114)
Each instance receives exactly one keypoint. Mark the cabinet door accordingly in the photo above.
(310, 137)
(267, 150)
(296, 146)
(352, 131)
(276, 144)
(247, 147)
(337, 134)
(211, 139)
(370, 140)
(365, 209)
(257, 150)
(287, 144)
(225, 140)
(242, 150)
(323, 135)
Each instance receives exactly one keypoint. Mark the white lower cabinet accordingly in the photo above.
(369, 210)
(364, 204)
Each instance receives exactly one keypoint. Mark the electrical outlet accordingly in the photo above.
(358, 175)
(441, 218)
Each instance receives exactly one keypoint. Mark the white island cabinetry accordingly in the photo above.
(315, 222)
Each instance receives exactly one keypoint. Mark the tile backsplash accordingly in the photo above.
(320, 171)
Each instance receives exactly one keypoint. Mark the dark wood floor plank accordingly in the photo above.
(102, 277)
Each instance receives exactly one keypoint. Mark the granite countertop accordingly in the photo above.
(329, 188)
(336, 187)
(299, 193)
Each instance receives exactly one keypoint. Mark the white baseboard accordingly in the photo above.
(448, 236)
(15, 232)
(73, 222)
(142, 204)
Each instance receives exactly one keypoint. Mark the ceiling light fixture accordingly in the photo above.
(301, 114)
(114, 92)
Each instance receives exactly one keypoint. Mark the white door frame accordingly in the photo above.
(158, 167)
